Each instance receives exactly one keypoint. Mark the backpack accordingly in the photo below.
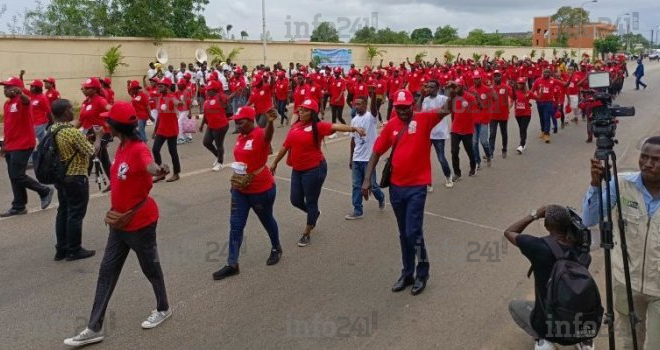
(572, 310)
(50, 169)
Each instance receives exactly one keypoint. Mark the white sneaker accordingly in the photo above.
(429, 189)
(520, 149)
(333, 136)
(156, 318)
(87, 336)
(218, 167)
(449, 183)
(347, 133)
(215, 163)
(543, 344)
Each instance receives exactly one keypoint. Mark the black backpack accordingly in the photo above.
(49, 167)
(572, 310)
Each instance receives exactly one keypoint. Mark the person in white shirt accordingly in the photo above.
(440, 132)
(169, 72)
(152, 71)
(361, 149)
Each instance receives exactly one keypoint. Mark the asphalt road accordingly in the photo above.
(334, 293)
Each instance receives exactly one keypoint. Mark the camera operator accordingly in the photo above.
(558, 224)
(640, 199)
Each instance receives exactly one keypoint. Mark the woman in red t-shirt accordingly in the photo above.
(303, 144)
(167, 129)
(523, 110)
(215, 116)
(130, 178)
(251, 155)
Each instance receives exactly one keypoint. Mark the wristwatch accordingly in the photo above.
(534, 215)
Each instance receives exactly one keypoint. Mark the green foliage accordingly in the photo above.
(476, 57)
(611, 43)
(368, 35)
(499, 53)
(449, 57)
(318, 60)
(421, 36)
(420, 56)
(373, 51)
(567, 18)
(532, 54)
(113, 59)
(325, 32)
(573, 53)
(219, 54)
(554, 52)
(445, 34)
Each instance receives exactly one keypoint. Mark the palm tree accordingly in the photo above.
(220, 56)
(373, 51)
(229, 28)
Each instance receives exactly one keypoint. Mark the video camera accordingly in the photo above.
(579, 232)
(603, 111)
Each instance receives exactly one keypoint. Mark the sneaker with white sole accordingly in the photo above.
(520, 149)
(543, 344)
(429, 189)
(156, 318)
(333, 136)
(449, 183)
(87, 336)
(218, 167)
(215, 163)
(353, 216)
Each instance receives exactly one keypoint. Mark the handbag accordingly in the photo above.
(242, 181)
(387, 169)
(189, 125)
(117, 220)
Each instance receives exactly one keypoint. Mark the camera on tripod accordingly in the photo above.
(579, 232)
(603, 111)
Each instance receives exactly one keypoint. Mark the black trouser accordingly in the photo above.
(281, 110)
(493, 134)
(103, 155)
(389, 108)
(326, 97)
(228, 110)
(217, 136)
(120, 243)
(20, 182)
(171, 147)
(456, 140)
(379, 102)
(523, 123)
(337, 112)
(73, 195)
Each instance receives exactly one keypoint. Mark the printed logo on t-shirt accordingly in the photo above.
(248, 145)
(212, 102)
(122, 171)
(13, 108)
(308, 129)
(261, 93)
(35, 103)
(138, 98)
(502, 91)
(483, 96)
(88, 108)
(163, 107)
(412, 127)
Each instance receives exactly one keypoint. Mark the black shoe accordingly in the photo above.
(472, 172)
(554, 130)
(304, 240)
(504, 154)
(225, 272)
(45, 200)
(59, 256)
(419, 285)
(106, 190)
(274, 258)
(13, 212)
(402, 283)
(81, 254)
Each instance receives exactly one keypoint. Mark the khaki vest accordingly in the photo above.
(642, 239)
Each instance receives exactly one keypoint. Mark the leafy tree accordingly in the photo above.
(445, 34)
(112, 59)
(373, 51)
(567, 18)
(421, 35)
(608, 44)
(325, 32)
(367, 35)
(364, 35)
(449, 57)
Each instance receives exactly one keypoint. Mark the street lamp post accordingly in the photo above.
(263, 28)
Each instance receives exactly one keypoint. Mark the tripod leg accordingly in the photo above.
(606, 243)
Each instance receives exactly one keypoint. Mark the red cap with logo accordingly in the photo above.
(122, 112)
(91, 83)
(521, 80)
(37, 83)
(13, 81)
(257, 79)
(337, 70)
(50, 80)
(311, 105)
(134, 85)
(245, 112)
(107, 81)
(214, 85)
(497, 71)
(167, 82)
(403, 98)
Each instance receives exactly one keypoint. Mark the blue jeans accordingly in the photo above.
(439, 146)
(237, 102)
(262, 204)
(545, 113)
(408, 204)
(40, 133)
(358, 177)
(638, 82)
(142, 132)
(281, 110)
(306, 190)
(481, 137)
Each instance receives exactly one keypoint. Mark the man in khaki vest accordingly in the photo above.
(640, 200)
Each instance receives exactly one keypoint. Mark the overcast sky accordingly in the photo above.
(347, 15)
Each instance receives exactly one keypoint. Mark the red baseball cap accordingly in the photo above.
(311, 105)
(459, 82)
(182, 82)
(245, 112)
(134, 85)
(37, 83)
(257, 79)
(107, 81)
(337, 70)
(521, 80)
(403, 98)
(281, 74)
(167, 82)
(187, 76)
(476, 75)
(50, 80)
(13, 81)
(91, 83)
(122, 112)
(214, 85)
(497, 71)
(155, 80)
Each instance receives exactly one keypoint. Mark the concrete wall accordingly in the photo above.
(71, 60)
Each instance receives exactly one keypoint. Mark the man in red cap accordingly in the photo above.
(337, 96)
(167, 129)
(409, 136)
(51, 92)
(19, 142)
(261, 96)
(282, 95)
(462, 129)
(140, 102)
(484, 96)
(503, 95)
(41, 113)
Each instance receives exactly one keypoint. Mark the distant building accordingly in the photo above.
(580, 36)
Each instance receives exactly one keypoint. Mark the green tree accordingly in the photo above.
(610, 43)
(325, 32)
(373, 51)
(367, 35)
(421, 36)
(364, 35)
(445, 34)
(567, 19)
(112, 59)
(244, 34)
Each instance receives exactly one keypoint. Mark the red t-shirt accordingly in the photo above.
(18, 126)
(522, 106)
(154, 94)
(109, 95)
(282, 89)
(394, 85)
(414, 82)
(52, 95)
(168, 121)
(299, 96)
(337, 87)
(184, 96)
(252, 149)
(573, 88)
(483, 93)
(214, 111)
(501, 104)
(544, 89)
(262, 98)
(304, 154)
(131, 184)
(90, 111)
(411, 163)
(463, 112)
(315, 92)
(141, 104)
(40, 109)
(360, 90)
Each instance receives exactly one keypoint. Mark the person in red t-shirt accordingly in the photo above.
(140, 102)
(130, 178)
(282, 96)
(543, 90)
(500, 113)
(51, 93)
(523, 111)
(107, 90)
(337, 99)
(167, 129)
(184, 94)
(19, 142)
(394, 84)
(573, 92)
(303, 144)
(409, 134)
(216, 118)
(462, 128)
(261, 96)
(251, 155)
(484, 96)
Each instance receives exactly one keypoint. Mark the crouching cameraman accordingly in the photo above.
(542, 252)
(640, 200)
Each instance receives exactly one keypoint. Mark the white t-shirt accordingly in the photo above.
(223, 81)
(440, 131)
(168, 74)
(364, 145)
(201, 77)
(151, 73)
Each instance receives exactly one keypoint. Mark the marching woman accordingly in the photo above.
(253, 187)
(167, 128)
(140, 102)
(132, 220)
(303, 144)
(523, 111)
(215, 117)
